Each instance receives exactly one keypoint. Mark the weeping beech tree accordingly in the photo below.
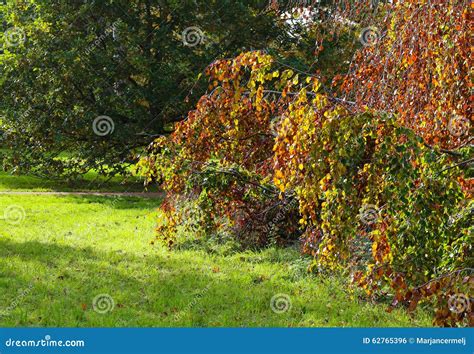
(375, 187)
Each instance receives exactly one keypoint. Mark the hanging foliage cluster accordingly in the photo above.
(374, 183)
(222, 156)
(419, 68)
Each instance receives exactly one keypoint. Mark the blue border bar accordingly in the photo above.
(237, 340)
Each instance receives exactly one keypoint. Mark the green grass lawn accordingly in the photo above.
(70, 249)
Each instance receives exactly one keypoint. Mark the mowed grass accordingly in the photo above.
(70, 249)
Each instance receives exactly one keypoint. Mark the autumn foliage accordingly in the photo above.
(372, 181)
(420, 70)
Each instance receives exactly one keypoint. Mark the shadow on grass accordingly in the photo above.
(148, 291)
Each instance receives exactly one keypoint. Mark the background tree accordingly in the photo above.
(137, 62)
